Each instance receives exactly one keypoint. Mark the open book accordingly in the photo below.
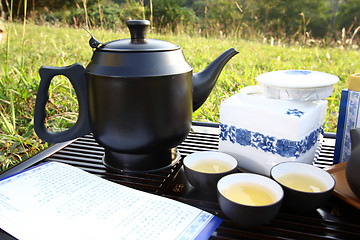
(59, 201)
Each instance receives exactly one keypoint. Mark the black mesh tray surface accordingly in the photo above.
(336, 220)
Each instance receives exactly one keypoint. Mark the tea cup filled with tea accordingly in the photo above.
(204, 169)
(306, 187)
(249, 199)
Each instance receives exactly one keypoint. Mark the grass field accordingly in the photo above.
(28, 47)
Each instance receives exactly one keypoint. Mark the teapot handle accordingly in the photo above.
(76, 74)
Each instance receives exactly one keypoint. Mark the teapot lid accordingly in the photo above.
(297, 84)
(138, 41)
(297, 79)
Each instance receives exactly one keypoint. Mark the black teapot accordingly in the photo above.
(136, 96)
(352, 169)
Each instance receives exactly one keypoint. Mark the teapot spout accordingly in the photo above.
(204, 81)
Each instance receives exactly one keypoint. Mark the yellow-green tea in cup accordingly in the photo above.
(302, 182)
(251, 194)
(211, 166)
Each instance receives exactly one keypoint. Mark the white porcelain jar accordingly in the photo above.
(279, 120)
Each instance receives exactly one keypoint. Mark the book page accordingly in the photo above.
(58, 201)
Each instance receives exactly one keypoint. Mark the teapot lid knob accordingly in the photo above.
(138, 41)
(138, 29)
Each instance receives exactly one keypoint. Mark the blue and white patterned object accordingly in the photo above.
(261, 132)
(349, 117)
(269, 144)
(297, 72)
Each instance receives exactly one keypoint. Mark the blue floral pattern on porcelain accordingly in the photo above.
(298, 72)
(283, 147)
(295, 112)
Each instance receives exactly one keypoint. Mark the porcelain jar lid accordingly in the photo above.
(297, 84)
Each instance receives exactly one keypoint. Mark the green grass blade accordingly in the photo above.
(6, 125)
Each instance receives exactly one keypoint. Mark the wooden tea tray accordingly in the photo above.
(342, 189)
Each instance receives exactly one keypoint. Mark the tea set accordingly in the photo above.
(137, 96)
(253, 199)
(274, 130)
